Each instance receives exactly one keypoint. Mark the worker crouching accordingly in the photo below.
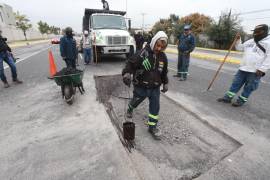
(149, 70)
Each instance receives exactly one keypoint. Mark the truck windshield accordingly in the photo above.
(108, 22)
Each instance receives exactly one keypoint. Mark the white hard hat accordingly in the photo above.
(85, 32)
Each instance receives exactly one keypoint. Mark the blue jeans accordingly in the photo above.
(5, 56)
(250, 82)
(153, 94)
(183, 64)
(87, 55)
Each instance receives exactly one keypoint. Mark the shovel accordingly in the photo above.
(128, 126)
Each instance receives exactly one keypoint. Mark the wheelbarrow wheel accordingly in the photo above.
(69, 93)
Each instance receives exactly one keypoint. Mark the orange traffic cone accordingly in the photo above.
(52, 65)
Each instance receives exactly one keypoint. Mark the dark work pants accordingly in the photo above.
(183, 64)
(71, 63)
(153, 94)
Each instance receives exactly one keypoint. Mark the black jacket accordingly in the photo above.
(152, 78)
(3, 45)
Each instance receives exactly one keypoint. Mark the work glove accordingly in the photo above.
(146, 64)
(260, 73)
(127, 79)
(165, 88)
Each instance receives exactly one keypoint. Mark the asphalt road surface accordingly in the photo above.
(32, 139)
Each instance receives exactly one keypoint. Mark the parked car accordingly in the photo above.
(55, 41)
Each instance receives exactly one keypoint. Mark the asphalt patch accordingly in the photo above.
(189, 145)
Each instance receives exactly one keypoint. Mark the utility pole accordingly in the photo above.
(126, 8)
(143, 14)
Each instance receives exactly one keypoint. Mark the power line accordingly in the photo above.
(252, 12)
(248, 12)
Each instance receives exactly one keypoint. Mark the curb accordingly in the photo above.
(21, 44)
(206, 56)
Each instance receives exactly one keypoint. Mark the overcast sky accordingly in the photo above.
(64, 13)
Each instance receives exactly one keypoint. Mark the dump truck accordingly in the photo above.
(109, 32)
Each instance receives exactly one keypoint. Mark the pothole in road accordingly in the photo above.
(189, 146)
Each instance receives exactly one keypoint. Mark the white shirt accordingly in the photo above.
(254, 58)
(87, 42)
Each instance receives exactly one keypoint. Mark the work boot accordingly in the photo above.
(155, 132)
(238, 103)
(17, 81)
(6, 85)
(224, 100)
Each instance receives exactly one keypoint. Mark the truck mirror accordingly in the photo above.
(129, 24)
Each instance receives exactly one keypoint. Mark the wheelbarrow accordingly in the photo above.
(68, 84)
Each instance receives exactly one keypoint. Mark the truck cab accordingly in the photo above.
(109, 32)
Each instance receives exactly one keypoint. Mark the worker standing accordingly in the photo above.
(105, 5)
(254, 64)
(87, 44)
(149, 70)
(186, 44)
(68, 48)
(6, 56)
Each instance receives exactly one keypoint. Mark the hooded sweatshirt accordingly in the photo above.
(157, 73)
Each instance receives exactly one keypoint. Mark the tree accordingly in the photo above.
(22, 23)
(55, 30)
(199, 22)
(173, 26)
(224, 31)
(43, 27)
(167, 25)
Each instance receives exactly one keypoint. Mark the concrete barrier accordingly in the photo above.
(14, 34)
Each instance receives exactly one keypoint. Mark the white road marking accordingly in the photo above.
(33, 54)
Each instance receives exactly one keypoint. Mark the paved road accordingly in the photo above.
(40, 133)
(253, 114)
(41, 137)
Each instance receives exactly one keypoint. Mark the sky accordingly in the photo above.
(63, 13)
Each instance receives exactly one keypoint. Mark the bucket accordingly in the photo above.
(129, 130)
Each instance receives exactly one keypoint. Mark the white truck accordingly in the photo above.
(109, 32)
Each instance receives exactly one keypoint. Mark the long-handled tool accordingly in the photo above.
(96, 54)
(128, 127)
(224, 60)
